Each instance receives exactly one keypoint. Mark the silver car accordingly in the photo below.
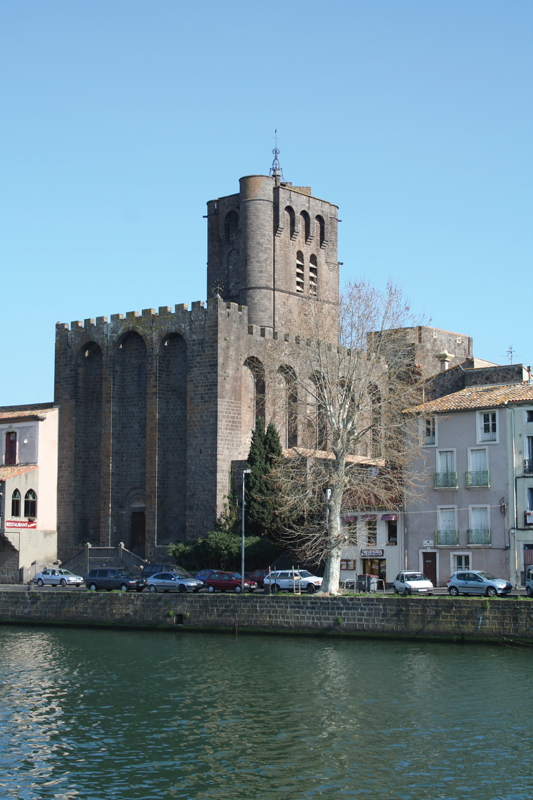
(172, 582)
(57, 577)
(477, 582)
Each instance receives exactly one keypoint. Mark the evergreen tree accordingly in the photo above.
(261, 510)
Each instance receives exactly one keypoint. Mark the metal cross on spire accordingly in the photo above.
(275, 169)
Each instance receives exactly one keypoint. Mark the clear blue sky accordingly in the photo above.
(119, 119)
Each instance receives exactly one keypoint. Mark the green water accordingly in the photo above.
(109, 715)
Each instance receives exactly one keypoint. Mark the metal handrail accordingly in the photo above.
(445, 480)
(479, 536)
(478, 479)
(446, 538)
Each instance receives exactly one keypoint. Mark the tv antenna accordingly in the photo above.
(511, 352)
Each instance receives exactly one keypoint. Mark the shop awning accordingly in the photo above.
(389, 517)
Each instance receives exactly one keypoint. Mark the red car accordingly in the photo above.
(259, 576)
(228, 582)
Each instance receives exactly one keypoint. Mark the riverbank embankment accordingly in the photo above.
(431, 618)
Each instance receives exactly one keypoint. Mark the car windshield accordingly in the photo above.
(181, 572)
(124, 573)
(305, 574)
(415, 576)
(487, 576)
(236, 576)
(65, 572)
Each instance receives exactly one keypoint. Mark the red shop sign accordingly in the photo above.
(14, 523)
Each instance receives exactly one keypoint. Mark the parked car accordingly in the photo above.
(204, 574)
(258, 576)
(529, 581)
(117, 578)
(412, 583)
(229, 582)
(478, 582)
(57, 577)
(172, 582)
(152, 569)
(283, 579)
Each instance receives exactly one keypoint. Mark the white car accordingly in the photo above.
(410, 582)
(284, 579)
(57, 577)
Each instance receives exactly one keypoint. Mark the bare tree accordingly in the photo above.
(341, 395)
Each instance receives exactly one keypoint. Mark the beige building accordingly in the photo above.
(28, 490)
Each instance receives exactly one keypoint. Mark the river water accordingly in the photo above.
(120, 715)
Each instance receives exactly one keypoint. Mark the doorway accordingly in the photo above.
(138, 533)
(429, 566)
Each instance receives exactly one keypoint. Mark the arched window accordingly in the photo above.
(258, 373)
(11, 448)
(321, 229)
(313, 276)
(305, 224)
(15, 503)
(300, 272)
(291, 220)
(231, 223)
(30, 504)
(290, 410)
(317, 419)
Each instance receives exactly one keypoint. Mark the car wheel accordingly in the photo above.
(140, 589)
(395, 590)
(211, 589)
(454, 591)
(40, 582)
(491, 591)
(92, 587)
(529, 591)
(237, 589)
(123, 587)
(310, 588)
(153, 588)
(182, 589)
(63, 582)
(407, 592)
(277, 587)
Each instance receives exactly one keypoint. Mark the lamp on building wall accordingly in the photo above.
(244, 473)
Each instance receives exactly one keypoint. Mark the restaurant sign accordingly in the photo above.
(15, 523)
(376, 553)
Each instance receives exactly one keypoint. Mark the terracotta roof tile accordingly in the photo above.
(12, 472)
(474, 397)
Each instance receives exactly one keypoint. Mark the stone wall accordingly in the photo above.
(444, 618)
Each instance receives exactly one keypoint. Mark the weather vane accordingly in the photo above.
(275, 169)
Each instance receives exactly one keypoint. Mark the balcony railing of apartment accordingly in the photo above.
(479, 536)
(528, 466)
(446, 538)
(445, 480)
(478, 480)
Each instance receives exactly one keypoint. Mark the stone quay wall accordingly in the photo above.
(443, 618)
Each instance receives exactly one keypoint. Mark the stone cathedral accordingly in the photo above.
(157, 408)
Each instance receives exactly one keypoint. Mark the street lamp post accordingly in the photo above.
(244, 473)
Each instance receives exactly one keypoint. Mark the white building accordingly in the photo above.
(477, 510)
(28, 490)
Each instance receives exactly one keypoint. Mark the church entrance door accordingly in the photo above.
(138, 533)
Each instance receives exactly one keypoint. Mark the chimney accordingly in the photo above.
(444, 359)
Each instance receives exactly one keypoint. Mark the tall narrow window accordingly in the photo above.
(15, 503)
(488, 427)
(313, 276)
(321, 230)
(11, 448)
(30, 504)
(430, 434)
(305, 224)
(291, 220)
(300, 272)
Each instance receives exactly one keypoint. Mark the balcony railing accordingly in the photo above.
(479, 536)
(445, 480)
(478, 480)
(446, 538)
(528, 466)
